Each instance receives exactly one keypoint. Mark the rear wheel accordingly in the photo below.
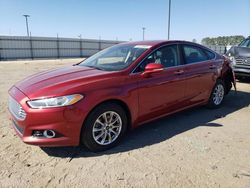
(104, 127)
(217, 95)
(228, 86)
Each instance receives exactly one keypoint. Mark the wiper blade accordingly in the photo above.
(94, 67)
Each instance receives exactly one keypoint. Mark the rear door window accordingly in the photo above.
(193, 54)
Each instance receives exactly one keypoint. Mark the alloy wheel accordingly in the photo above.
(107, 128)
(218, 94)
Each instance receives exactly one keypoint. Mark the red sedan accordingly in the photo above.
(96, 101)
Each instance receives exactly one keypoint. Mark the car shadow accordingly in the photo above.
(163, 129)
(245, 80)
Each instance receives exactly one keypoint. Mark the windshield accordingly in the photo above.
(245, 43)
(116, 57)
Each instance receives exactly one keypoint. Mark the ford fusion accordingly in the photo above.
(97, 100)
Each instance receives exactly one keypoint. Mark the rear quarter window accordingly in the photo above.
(210, 54)
(194, 54)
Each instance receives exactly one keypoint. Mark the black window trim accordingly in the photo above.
(162, 46)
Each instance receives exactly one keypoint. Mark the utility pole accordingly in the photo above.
(27, 25)
(169, 14)
(143, 33)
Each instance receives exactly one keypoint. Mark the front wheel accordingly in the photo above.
(104, 127)
(217, 95)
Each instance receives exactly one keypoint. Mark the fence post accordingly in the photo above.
(80, 47)
(57, 47)
(31, 48)
(99, 43)
(0, 50)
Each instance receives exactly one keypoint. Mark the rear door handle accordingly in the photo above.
(179, 72)
(212, 67)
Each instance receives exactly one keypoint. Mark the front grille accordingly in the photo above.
(16, 109)
(242, 61)
(18, 128)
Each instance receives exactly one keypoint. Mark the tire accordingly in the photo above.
(228, 86)
(98, 133)
(217, 95)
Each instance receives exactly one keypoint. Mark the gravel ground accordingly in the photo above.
(194, 148)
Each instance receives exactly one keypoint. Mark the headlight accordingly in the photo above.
(232, 58)
(55, 101)
(233, 61)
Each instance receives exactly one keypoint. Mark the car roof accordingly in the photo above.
(152, 42)
(156, 42)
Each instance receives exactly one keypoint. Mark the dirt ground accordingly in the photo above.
(194, 148)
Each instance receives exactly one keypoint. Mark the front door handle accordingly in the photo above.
(179, 72)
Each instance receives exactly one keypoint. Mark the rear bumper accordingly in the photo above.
(66, 122)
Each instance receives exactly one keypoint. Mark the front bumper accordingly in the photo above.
(242, 66)
(242, 70)
(65, 121)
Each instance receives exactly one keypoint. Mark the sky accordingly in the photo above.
(124, 19)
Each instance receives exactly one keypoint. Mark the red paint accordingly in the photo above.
(149, 95)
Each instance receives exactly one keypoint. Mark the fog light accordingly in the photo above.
(49, 134)
(44, 134)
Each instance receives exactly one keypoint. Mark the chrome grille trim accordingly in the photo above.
(242, 61)
(16, 110)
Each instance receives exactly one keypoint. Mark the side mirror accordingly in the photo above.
(152, 68)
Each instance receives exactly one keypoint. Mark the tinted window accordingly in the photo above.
(245, 43)
(194, 54)
(210, 55)
(167, 56)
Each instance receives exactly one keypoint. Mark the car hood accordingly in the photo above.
(238, 51)
(59, 81)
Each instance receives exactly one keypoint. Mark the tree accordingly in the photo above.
(194, 40)
(223, 40)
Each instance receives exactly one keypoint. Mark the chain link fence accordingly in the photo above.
(217, 48)
(20, 47)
